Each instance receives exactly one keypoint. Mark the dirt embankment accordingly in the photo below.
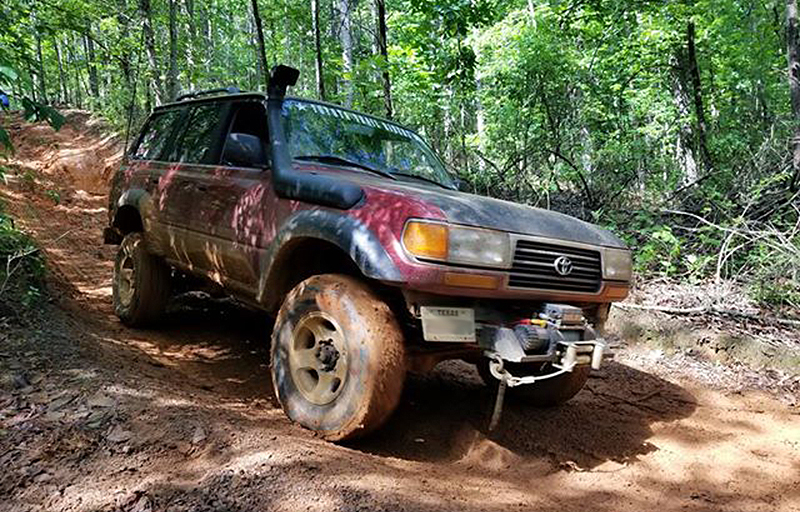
(94, 416)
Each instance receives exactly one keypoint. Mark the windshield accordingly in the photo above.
(328, 134)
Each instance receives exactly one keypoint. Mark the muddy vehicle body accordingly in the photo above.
(349, 230)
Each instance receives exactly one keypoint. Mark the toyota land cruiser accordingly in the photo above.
(351, 232)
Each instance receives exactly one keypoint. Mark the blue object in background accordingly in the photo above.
(4, 101)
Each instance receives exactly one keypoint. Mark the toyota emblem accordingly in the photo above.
(563, 266)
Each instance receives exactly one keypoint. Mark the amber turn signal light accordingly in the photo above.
(426, 240)
(471, 280)
(616, 292)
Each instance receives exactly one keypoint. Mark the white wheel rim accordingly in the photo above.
(317, 358)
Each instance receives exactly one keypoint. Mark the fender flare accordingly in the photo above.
(137, 199)
(131, 197)
(350, 235)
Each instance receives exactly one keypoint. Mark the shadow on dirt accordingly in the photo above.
(443, 416)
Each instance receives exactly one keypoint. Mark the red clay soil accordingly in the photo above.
(95, 416)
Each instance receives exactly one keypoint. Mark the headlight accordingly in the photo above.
(456, 244)
(617, 265)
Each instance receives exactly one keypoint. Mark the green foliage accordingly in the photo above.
(53, 195)
(21, 268)
(5, 142)
(33, 111)
(591, 108)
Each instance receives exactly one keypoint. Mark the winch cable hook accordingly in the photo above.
(501, 394)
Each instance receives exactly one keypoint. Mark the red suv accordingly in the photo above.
(351, 232)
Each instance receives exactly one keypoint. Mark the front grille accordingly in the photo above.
(534, 267)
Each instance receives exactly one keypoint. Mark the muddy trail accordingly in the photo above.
(98, 417)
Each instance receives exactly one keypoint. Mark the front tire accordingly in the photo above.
(141, 283)
(338, 359)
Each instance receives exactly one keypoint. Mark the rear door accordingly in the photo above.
(147, 166)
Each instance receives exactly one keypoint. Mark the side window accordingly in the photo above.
(198, 139)
(155, 135)
(250, 119)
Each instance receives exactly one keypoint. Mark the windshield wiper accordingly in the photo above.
(423, 178)
(330, 159)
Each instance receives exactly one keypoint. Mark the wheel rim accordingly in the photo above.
(126, 278)
(317, 358)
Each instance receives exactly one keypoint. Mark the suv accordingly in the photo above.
(350, 232)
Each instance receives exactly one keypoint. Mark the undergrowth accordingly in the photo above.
(21, 269)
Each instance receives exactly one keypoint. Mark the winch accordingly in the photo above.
(558, 335)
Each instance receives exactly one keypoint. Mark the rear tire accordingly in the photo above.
(141, 285)
(338, 358)
(546, 393)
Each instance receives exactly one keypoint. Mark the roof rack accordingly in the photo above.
(208, 92)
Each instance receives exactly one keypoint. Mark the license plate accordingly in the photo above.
(448, 324)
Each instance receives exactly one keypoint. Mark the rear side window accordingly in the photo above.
(155, 136)
(198, 140)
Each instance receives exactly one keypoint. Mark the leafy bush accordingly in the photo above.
(21, 268)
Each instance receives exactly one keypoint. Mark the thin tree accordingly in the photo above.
(172, 70)
(793, 56)
(346, 38)
(91, 63)
(699, 107)
(191, 47)
(262, 50)
(318, 49)
(150, 47)
(41, 72)
(62, 81)
(383, 50)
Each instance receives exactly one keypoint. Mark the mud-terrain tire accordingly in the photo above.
(325, 321)
(545, 393)
(141, 285)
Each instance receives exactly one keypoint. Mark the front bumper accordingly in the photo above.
(567, 346)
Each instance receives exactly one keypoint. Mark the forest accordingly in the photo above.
(674, 123)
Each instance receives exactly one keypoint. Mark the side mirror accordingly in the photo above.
(462, 184)
(244, 150)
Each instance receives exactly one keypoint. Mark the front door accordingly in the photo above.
(241, 220)
(183, 184)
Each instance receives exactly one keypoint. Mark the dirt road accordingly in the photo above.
(94, 416)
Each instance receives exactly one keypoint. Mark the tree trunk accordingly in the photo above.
(91, 65)
(262, 50)
(208, 40)
(383, 49)
(172, 70)
(42, 81)
(150, 47)
(699, 108)
(31, 74)
(77, 95)
(62, 81)
(793, 56)
(480, 123)
(191, 50)
(125, 63)
(346, 38)
(318, 49)
(684, 148)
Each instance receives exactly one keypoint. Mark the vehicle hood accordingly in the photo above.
(479, 211)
